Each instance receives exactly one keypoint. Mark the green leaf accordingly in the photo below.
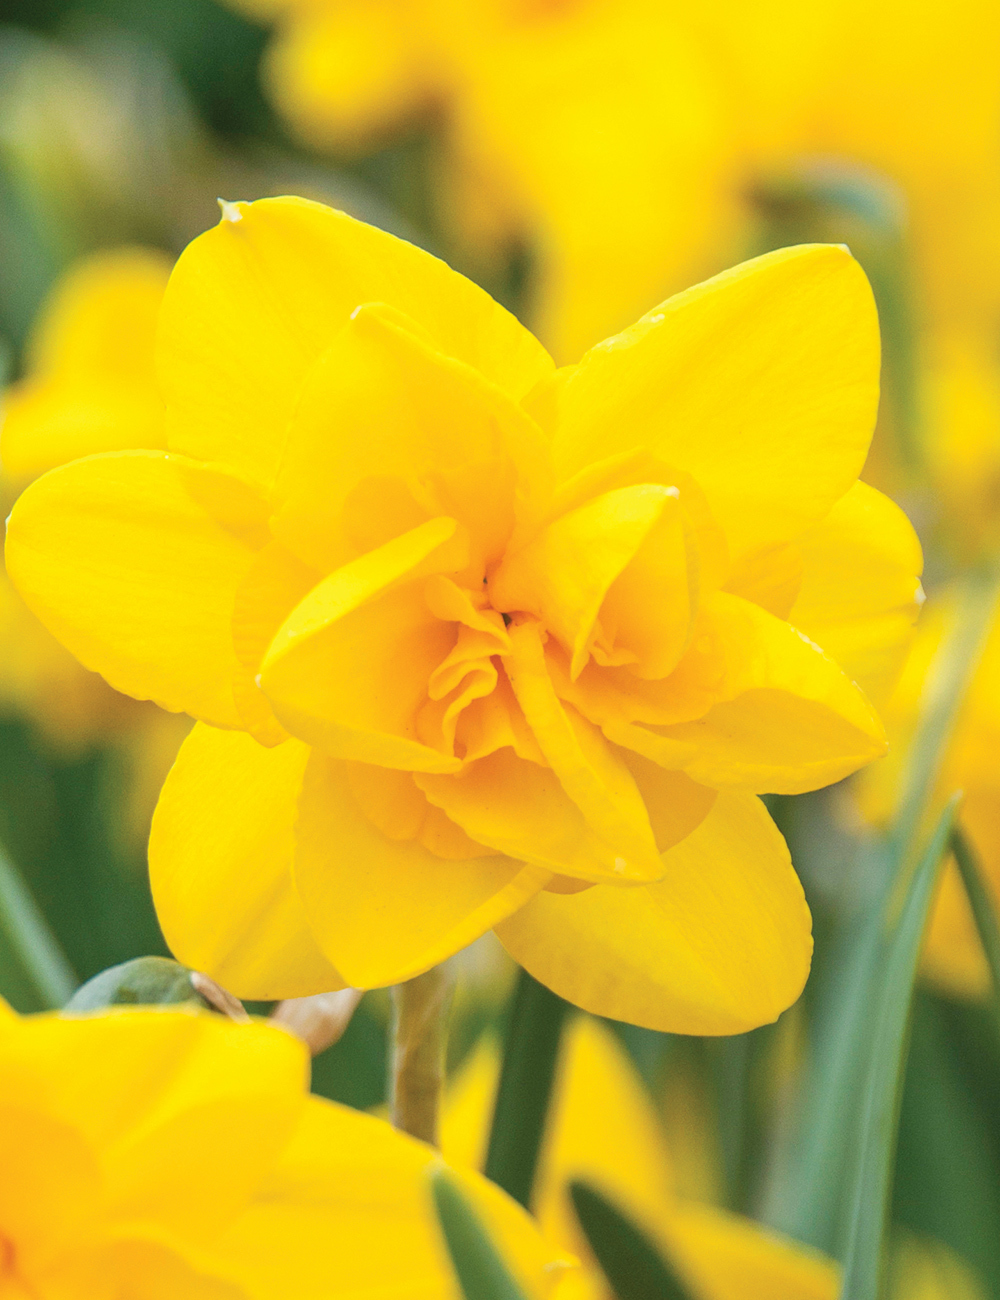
(144, 981)
(29, 951)
(981, 904)
(525, 1089)
(634, 1267)
(482, 1273)
(864, 1266)
(810, 1185)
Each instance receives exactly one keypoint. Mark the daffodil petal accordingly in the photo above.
(220, 861)
(788, 719)
(384, 910)
(563, 575)
(861, 592)
(253, 303)
(135, 576)
(345, 1186)
(389, 432)
(720, 945)
(171, 1080)
(593, 776)
(762, 383)
(729, 1257)
(349, 667)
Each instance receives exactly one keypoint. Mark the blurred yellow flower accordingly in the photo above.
(471, 635)
(628, 138)
(158, 1154)
(89, 387)
(603, 1130)
(952, 954)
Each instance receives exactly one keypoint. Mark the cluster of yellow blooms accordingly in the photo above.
(477, 642)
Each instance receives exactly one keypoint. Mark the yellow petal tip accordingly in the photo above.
(230, 211)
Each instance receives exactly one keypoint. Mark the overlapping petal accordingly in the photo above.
(255, 302)
(779, 714)
(762, 383)
(349, 668)
(591, 773)
(121, 558)
(178, 1093)
(384, 909)
(389, 432)
(722, 943)
(221, 853)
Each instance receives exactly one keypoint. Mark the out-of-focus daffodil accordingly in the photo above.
(603, 1129)
(952, 956)
(162, 1154)
(475, 642)
(90, 384)
(629, 137)
(89, 387)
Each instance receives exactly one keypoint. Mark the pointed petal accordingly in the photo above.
(720, 945)
(253, 303)
(220, 861)
(385, 909)
(121, 559)
(762, 383)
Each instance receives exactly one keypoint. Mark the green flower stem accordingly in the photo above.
(29, 951)
(529, 1064)
(419, 1037)
(983, 909)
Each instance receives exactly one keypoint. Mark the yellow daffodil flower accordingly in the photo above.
(952, 957)
(160, 1154)
(89, 387)
(476, 642)
(604, 1130)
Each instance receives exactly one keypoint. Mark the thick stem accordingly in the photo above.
(529, 1066)
(420, 1035)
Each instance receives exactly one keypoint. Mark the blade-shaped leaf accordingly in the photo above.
(28, 947)
(482, 1273)
(876, 1137)
(634, 1267)
(982, 905)
(526, 1077)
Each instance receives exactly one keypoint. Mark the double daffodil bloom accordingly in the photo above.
(89, 387)
(477, 642)
(173, 1155)
(952, 956)
(603, 1129)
